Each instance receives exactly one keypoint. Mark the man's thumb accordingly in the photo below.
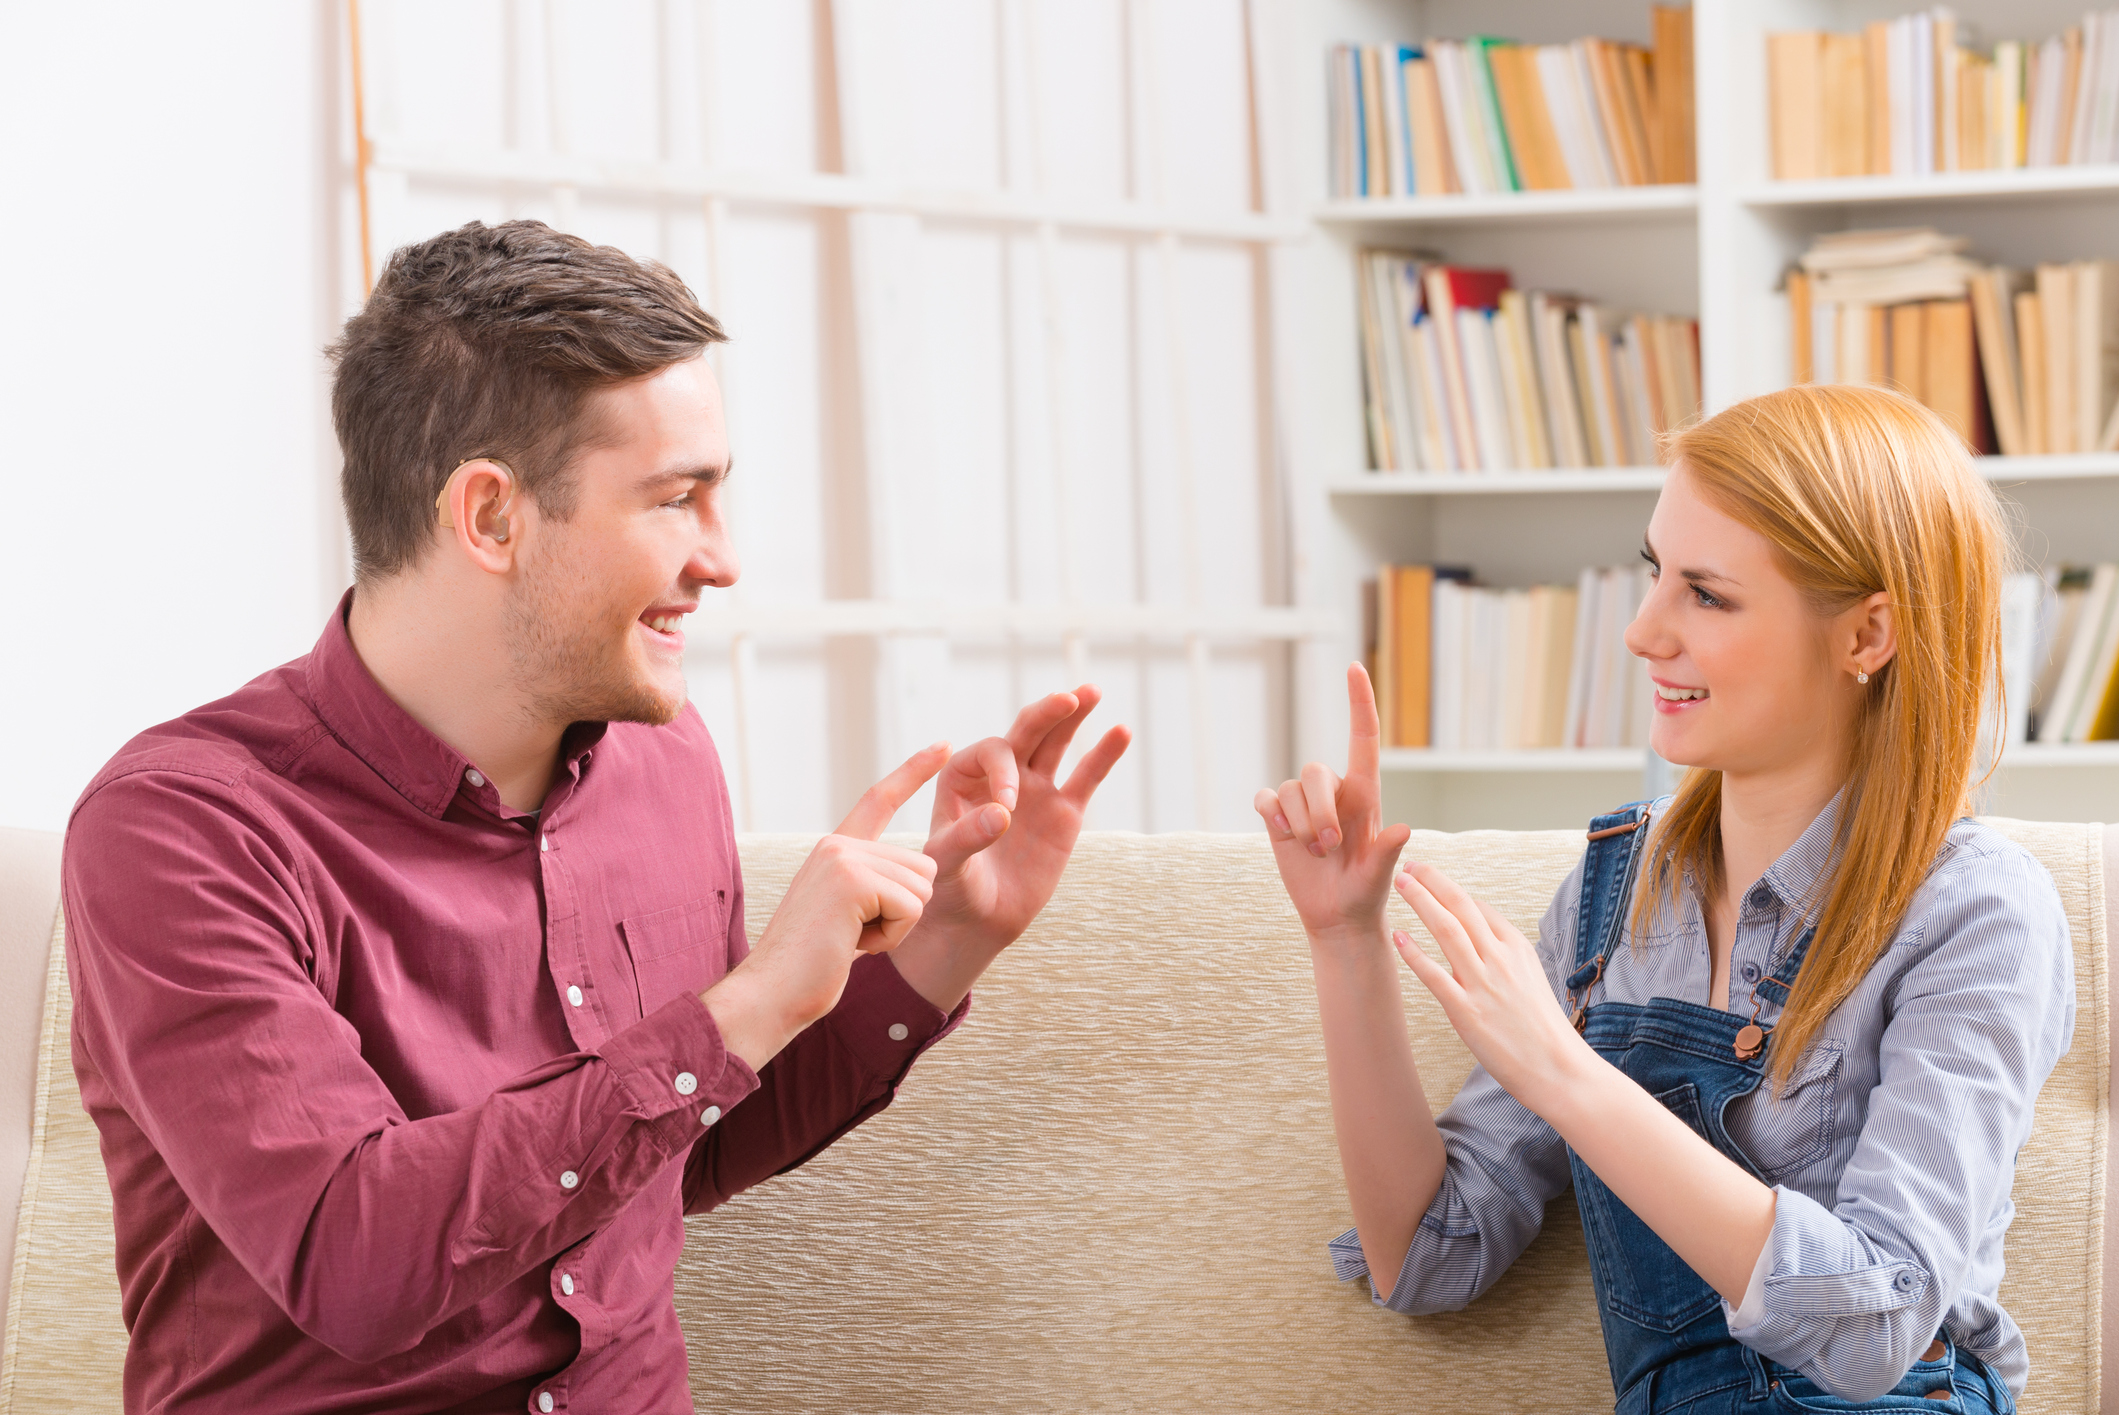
(968, 834)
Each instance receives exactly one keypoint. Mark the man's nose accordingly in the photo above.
(715, 561)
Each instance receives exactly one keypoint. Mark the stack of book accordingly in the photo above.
(1909, 96)
(1461, 668)
(2068, 619)
(1488, 115)
(2023, 363)
(1464, 373)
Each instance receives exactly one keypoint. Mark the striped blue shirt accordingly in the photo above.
(1892, 1151)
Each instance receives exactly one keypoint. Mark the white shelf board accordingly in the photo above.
(883, 618)
(2063, 467)
(1424, 759)
(2066, 466)
(2088, 179)
(817, 190)
(1497, 483)
(1599, 204)
(2025, 756)
(2060, 754)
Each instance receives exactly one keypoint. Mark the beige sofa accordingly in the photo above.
(1111, 1191)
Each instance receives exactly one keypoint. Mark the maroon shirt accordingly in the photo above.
(404, 1094)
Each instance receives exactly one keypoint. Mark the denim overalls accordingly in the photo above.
(1664, 1334)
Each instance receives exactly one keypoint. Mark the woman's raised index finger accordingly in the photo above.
(1364, 730)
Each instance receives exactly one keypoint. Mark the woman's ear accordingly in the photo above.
(1875, 634)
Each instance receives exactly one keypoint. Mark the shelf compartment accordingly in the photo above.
(1601, 203)
(2060, 467)
(2088, 179)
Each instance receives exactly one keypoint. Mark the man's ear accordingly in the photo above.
(476, 507)
(1875, 634)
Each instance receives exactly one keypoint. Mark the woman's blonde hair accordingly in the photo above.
(1859, 490)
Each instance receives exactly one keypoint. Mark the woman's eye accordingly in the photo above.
(1706, 600)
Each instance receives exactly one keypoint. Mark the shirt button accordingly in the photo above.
(474, 778)
(544, 1401)
(899, 1031)
(686, 1083)
(545, 844)
(1750, 972)
(1903, 1282)
(569, 1180)
(573, 995)
(1761, 897)
(566, 1283)
(711, 1114)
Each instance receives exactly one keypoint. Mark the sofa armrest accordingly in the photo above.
(29, 899)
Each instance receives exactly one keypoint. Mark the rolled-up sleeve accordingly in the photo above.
(1982, 1010)
(1504, 1165)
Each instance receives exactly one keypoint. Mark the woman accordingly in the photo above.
(1783, 1031)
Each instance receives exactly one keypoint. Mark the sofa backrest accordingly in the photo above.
(1113, 1188)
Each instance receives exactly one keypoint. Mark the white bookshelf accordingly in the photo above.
(1715, 250)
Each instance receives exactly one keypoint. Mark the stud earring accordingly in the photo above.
(1859, 677)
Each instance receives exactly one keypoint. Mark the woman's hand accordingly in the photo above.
(1494, 990)
(1334, 857)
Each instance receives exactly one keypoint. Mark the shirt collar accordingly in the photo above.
(1794, 877)
(425, 770)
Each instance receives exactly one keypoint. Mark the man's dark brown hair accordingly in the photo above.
(486, 341)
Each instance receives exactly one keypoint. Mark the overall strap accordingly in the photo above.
(1608, 869)
(1751, 1038)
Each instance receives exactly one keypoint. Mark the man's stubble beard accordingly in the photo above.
(572, 668)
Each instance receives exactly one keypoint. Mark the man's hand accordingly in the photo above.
(1335, 858)
(853, 895)
(1002, 831)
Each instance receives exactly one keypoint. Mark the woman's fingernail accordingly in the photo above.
(1316, 849)
(1328, 838)
(1280, 823)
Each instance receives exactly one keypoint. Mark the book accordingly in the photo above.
(1950, 382)
(2031, 347)
(1413, 615)
(2094, 372)
(2055, 284)
(1994, 322)
(1671, 64)
(1795, 80)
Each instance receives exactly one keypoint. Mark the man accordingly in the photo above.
(413, 995)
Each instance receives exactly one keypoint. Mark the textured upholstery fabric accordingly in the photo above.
(1112, 1190)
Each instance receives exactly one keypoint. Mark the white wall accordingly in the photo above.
(165, 532)
(171, 527)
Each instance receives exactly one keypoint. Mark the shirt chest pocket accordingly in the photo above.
(677, 950)
(1786, 1129)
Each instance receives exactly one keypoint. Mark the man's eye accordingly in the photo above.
(680, 503)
